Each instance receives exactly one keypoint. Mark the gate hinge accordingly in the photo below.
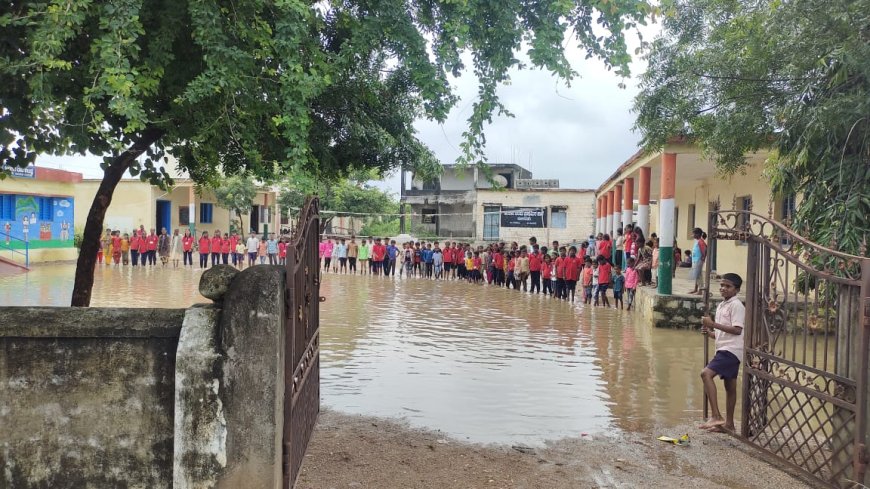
(861, 461)
(285, 458)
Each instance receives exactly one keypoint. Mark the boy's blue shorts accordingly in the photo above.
(617, 294)
(588, 290)
(725, 364)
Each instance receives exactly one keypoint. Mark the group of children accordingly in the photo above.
(552, 271)
(144, 248)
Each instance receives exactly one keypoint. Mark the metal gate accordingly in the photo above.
(302, 352)
(804, 393)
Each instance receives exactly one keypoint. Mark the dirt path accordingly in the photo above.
(353, 451)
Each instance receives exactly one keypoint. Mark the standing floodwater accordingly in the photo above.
(479, 363)
(495, 365)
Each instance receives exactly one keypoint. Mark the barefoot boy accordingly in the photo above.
(727, 329)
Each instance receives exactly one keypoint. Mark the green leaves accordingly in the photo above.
(793, 77)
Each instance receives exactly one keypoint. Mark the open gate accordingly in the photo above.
(302, 352)
(804, 392)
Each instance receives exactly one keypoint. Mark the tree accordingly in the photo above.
(237, 194)
(345, 197)
(263, 86)
(793, 77)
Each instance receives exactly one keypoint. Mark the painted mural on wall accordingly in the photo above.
(42, 221)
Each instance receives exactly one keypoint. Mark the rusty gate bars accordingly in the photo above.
(302, 340)
(807, 339)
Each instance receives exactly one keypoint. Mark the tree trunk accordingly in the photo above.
(241, 225)
(84, 279)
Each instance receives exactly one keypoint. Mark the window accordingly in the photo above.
(691, 221)
(285, 218)
(205, 213)
(558, 218)
(787, 209)
(491, 222)
(7, 207)
(46, 208)
(430, 185)
(264, 214)
(429, 216)
(183, 215)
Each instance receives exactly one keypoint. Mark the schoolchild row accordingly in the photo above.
(553, 271)
(215, 248)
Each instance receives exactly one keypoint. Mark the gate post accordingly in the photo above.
(859, 466)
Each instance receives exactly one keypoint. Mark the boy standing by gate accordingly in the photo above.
(727, 330)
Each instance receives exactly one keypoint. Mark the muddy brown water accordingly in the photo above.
(479, 363)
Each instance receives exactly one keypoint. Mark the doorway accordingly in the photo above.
(164, 216)
(255, 219)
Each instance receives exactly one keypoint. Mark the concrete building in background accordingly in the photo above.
(38, 215)
(136, 203)
(464, 203)
(45, 208)
(672, 191)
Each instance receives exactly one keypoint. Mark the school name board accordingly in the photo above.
(21, 172)
(523, 217)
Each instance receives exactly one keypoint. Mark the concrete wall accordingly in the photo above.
(86, 397)
(147, 398)
(579, 204)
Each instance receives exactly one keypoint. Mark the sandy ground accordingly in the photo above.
(362, 452)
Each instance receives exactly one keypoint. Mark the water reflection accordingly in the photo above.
(493, 365)
(52, 284)
(480, 363)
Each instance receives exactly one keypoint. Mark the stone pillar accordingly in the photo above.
(666, 222)
(643, 200)
(617, 212)
(598, 206)
(230, 382)
(608, 216)
(628, 201)
(191, 199)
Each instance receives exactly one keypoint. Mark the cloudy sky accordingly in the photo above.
(578, 134)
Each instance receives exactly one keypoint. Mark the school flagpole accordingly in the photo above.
(711, 224)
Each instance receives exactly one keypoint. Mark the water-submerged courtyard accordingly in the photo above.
(479, 363)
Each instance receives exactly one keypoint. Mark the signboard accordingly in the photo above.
(28, 171)
(523, 217)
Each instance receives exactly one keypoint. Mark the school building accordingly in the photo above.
(671, 192)
(39, 219)
(464, 203)
(184, 206)
(38, 215)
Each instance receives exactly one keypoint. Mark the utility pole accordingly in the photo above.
(402, 199)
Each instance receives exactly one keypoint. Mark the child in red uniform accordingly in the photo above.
(282, 252)
(560, 274)
(143, 247)
(116, 247)
(226, 250)
(572, 272)
(535, 271)
(215, 246)
(546, 275)
(187, 247)
(151, 244)
(134, 248)
(204, 243)
(587, 280)
(379, 251)
(604, 270)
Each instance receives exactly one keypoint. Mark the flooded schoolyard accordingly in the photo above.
(480, 363)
